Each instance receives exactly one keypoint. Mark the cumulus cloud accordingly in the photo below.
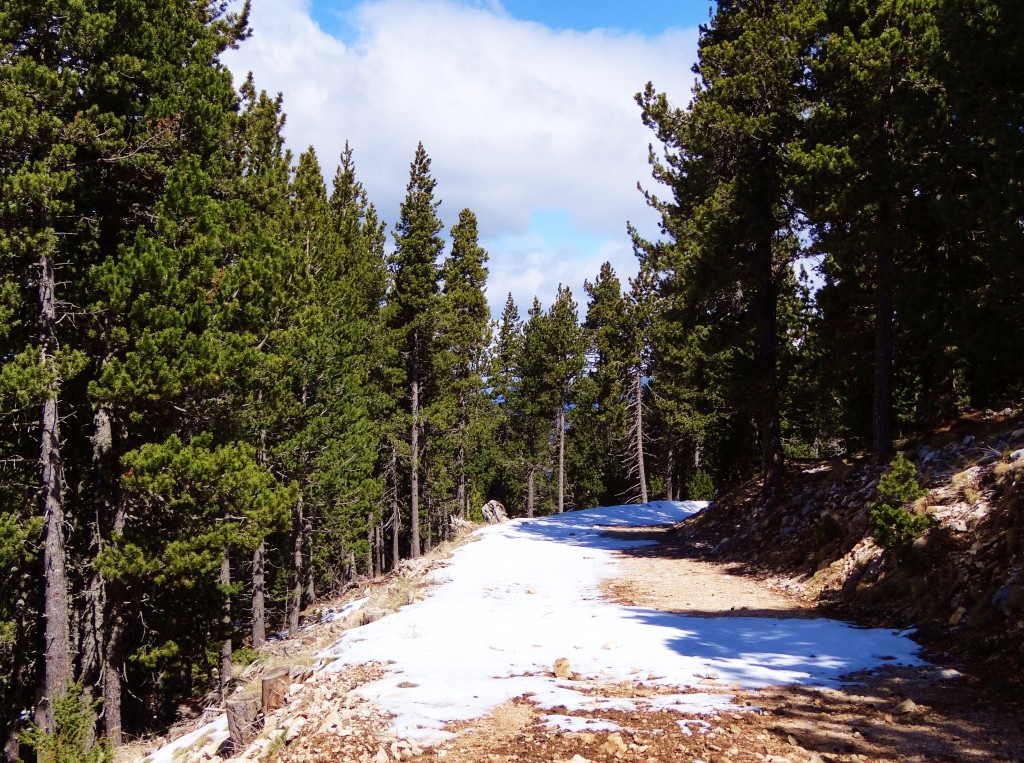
(515, 116)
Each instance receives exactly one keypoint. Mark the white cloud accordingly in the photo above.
(515, 117)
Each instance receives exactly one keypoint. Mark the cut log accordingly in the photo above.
(243, 720)
(275, 689)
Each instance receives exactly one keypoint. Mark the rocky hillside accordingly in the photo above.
(961, 584)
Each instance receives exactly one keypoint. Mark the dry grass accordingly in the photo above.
(1009, 471)
(965, 486)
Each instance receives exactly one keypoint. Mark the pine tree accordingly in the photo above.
(463, 336)
(505, 364)
(727, 167)
(532, 401)
(102, 105)
(412, 311)
(597, 424)
(875, 121)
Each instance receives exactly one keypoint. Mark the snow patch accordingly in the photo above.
(527, 593)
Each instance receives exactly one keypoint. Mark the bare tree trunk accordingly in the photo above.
(638, 434)
(225, 648)
(259, 582)
(414, 504)
(56, 637)
(296, 597)
(560, 423)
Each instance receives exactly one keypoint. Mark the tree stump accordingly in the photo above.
(275, 689)
(243, 720)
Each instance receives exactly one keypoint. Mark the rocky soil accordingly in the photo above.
(961, 585)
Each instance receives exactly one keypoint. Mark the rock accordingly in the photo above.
(968, 440)
(1017, 454)
(370, 615)
(905, 707)
(957, 616)
(1018, 435)
(614, 745)
(1008, 599)
(494, 512)
(381, 756)
(562, 668)
(294, 730)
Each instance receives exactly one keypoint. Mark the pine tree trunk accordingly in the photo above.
(94, 630)
(881, 416)
(396, 511)
(296, 597)
(414, 504)
(529, 490)
(378, 559)
(225, 648)
(104, 463)
(259, 559)
(670, 459)
(765, 316)
(307, 540)
(56, 637)
(460, 490)
(259, 611)
(371, 537)
(638, 433)
(560, 423)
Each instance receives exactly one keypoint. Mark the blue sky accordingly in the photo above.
(524, 106)
(649, 17)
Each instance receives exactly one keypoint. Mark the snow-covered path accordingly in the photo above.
(524, 594)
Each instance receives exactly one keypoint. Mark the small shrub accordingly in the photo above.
(71, 741)
(700, 487)
(246, 655)
(891, 523)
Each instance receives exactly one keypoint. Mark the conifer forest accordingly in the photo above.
(229, 386)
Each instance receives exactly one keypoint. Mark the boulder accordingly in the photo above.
(1008, 599)
(494, 512)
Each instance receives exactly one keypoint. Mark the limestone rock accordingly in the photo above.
(614, 745)
(562, 668)
(494, 512)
